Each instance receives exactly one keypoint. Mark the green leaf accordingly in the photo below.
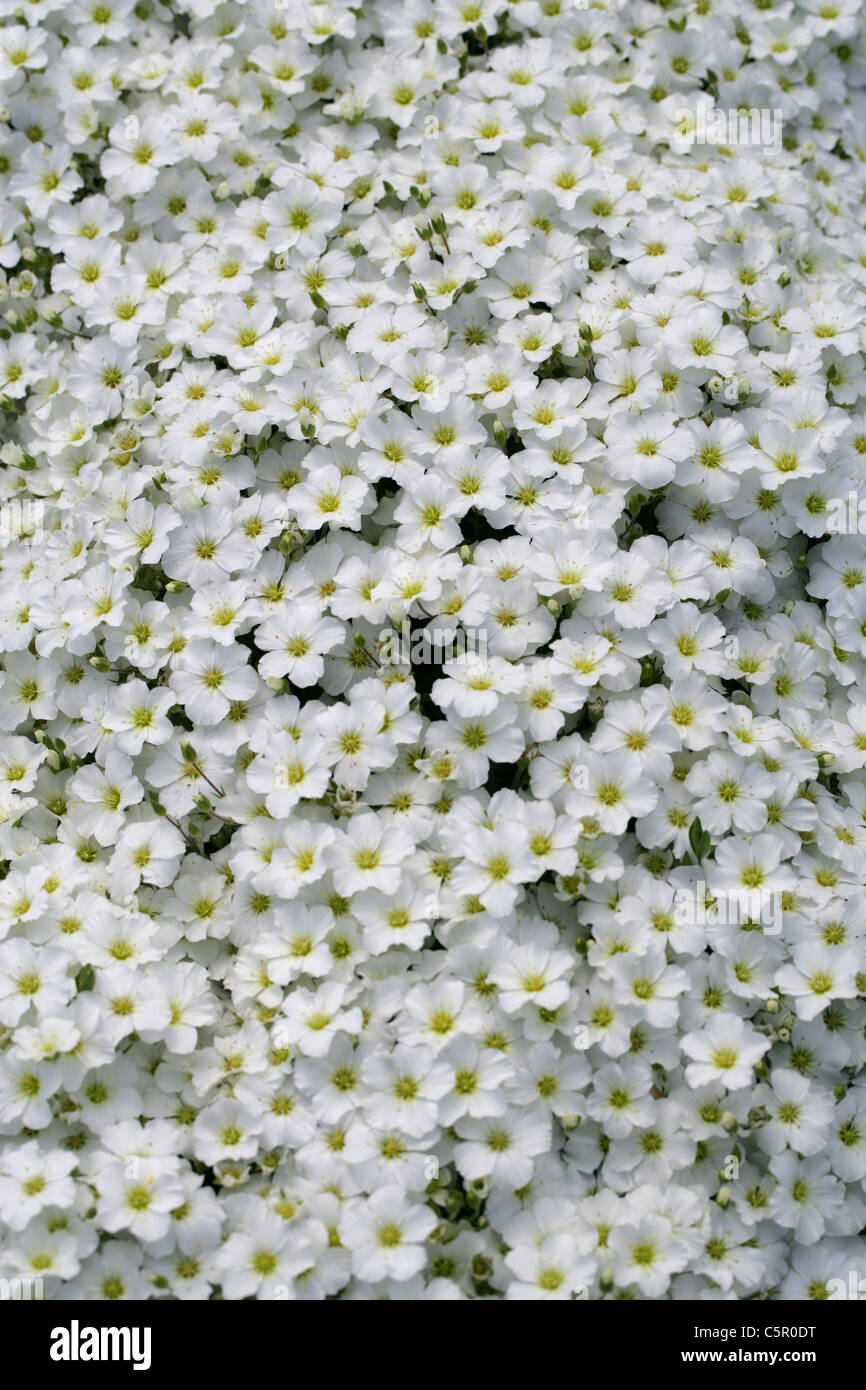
(85, 979)
(699, 840)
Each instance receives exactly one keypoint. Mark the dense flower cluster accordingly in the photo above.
(433, 752)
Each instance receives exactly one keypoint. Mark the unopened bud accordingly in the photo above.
(453, 1203)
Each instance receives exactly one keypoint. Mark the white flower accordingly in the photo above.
(502, 1147)
(726, 1050)
(386, 1236)
(816, 976)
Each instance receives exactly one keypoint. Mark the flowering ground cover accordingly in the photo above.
(433, 632)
